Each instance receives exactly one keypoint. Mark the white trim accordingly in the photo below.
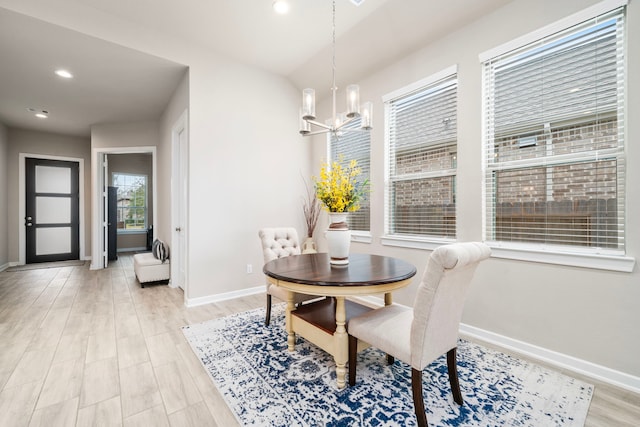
(22, 239)
(4, 267)
(580, 366)
(368, 300)
(562, 24)
(97, 235)
(414, 242)
(361, 236)
(146, 200)
(178, 173)
(131, 231)
(194, 302)
(573, 364)
(449, 71)
(596, 261)
(139, 249)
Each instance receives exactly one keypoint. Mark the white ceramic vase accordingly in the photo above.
(338, 238)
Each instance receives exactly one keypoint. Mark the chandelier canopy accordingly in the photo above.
(337, 121)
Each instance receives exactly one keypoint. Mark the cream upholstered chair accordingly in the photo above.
(419, 335)
(277, 243)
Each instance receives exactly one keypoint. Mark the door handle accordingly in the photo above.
(28, 218)
(29, 224)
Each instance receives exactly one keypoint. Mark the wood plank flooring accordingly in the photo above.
(92, 348)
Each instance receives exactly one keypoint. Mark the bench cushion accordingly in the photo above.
(150, 269)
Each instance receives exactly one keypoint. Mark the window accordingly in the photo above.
(132, 201)
(355, 145)
(422, 156)
(555, 158)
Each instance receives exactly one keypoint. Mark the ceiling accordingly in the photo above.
(297, 45)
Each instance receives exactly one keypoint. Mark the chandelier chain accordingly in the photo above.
(354, 110)
(334, 89)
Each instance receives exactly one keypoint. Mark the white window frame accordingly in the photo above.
(402, 240)
(572, 256)
(146, 203)
(361, 236)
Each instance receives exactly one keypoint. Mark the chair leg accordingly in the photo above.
(267, 318)
(453, 376)
(418, 402)
(353, 355)
(390, 359)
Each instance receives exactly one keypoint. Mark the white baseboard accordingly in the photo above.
(570, 363)
(583, 367)
(193, 302)
(4, 266)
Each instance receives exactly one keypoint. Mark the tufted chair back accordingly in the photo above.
(439, 302)
(279, 242)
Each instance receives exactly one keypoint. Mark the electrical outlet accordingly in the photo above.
(249, 268)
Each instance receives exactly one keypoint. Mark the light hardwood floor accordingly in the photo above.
(92, 348)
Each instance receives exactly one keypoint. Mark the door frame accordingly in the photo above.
(177, 198)
(22, 234)
(97, 223)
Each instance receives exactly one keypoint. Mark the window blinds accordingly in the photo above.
(554, 137)
(355, 145)
(422, 144)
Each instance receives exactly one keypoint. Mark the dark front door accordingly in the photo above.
(52, 218)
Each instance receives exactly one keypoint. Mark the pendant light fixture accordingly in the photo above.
(337, 121)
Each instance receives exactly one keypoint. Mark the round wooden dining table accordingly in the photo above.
(324, 322)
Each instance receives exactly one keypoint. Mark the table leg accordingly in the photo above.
(291, 336)
(388, 299)
(342, 342)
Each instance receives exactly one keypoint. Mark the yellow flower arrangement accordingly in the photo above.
(338, 188)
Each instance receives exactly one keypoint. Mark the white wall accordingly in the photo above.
(246, 156)
(246, 160)
(4, 207)
(585, 313)
(178, 104)
(136, 134)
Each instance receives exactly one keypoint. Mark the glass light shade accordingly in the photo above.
(305, 126)
(366, 115)
(353, 101)
(309, 104)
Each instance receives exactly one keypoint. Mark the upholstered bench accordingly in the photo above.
(148, 268)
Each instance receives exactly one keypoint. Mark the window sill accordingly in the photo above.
(599, 261)
(415, 242)
(361, 236)
(132, 231)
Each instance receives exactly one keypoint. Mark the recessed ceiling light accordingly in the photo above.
(41, 114)
(281, 6)
(64, 73)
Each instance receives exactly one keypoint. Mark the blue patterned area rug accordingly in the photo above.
(265, 385)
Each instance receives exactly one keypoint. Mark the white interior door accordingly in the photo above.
(179, 202)
(104, 183)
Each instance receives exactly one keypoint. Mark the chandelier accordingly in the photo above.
(337, 121)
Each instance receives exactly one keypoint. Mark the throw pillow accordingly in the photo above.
(160, 250)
